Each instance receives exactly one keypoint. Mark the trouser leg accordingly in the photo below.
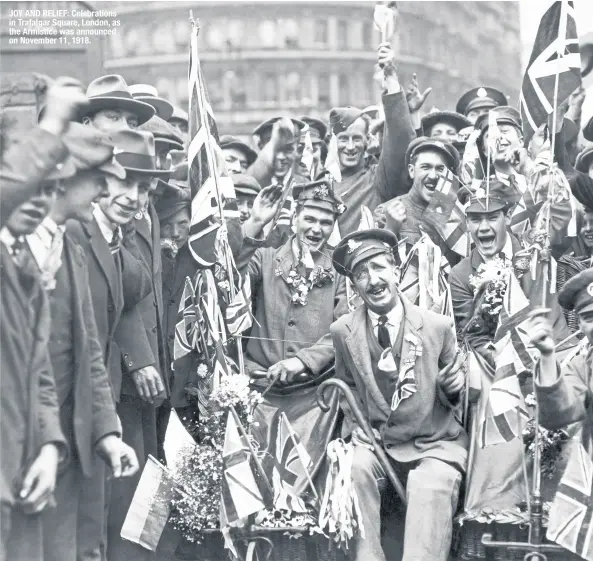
(22, 538)
(432, 491)
(368, 478)
(92, 519)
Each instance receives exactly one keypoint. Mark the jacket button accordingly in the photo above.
(154, 329)
(155, 304)
(171, 302)
(290, 323)
(129, 364)
(171, 337)
(389, 446)
(126, 356)
(110, 308)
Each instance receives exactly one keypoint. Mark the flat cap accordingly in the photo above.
(456, 120)
(229, 141)
(163, 132)
(425, 144)
(584, 159)
(245, 185)
(319, 193)
(265, 128)
(317, 129)
(577, 293)
(359, 246)
(494, 198)
(505, 115)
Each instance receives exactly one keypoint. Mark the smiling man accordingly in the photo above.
(401, 363)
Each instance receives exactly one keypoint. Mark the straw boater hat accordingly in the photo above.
(149, 94)
(112, 92)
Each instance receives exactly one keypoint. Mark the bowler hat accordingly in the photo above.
(425, 144)
(577, 293)
(584, 160)
(246, 185)
(149, 94)
(134, 150)
(482, 97)
(112, 92)
(163, 132)
(90, 148)
(317, 129)
(456, 120)
(228, 141)
(359, 246)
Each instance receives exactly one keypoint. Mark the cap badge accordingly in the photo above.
(321, 192)
(353, 245)
(480, 193)
(481, 92)
(590, 289)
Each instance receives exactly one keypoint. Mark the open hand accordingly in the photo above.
(283, 132)
(40, 480)
(541, 332)
(413, 96)
(267, 204)
(64, 99)
(120, 457)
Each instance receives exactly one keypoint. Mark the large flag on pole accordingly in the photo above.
(213, 194)
(554, 69)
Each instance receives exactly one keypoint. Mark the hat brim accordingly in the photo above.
(246, 192)
(430, 146)
(148, 172)
(65, 171)
(459, 121)
(588, 130)
(174, 144)
(142, 110)
(480, 208)
(113, 167)
(163, 108)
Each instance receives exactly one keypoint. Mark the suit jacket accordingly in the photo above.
(29, 406)
(175, 271)
(113, 289)
(150, 308)
(282, 329)
(568, 400)
(462, 294)
(424, 424)
(94, 403)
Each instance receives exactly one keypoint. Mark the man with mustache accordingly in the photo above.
(402, 365)
(373, 185)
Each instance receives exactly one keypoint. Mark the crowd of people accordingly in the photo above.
(96, 217)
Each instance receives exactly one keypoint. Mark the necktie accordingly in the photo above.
(383, 333)
(114, 244)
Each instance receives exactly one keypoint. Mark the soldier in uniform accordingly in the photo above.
(400, 361)
(478, 101)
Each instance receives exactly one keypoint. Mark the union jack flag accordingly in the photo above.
(570, 523)
(245, 487)
(213, 193)
(238, 312)
(506, 409)
(185, 329)
(290, 465)
(554, 69)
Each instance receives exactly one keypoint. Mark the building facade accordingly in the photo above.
(263, 58)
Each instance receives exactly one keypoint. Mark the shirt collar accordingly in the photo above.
(7, 238)
(107, 227)
(393, 317)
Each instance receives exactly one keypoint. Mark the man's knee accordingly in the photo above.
(436, 478)
(365, 466)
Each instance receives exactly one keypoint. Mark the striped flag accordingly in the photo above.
(238, 312)
(455, 232)
(185, 329)
(506, 410)
(554, 69)
(245, 488)
(150, 507)
(213, 193)
(291, 465)
(443, 201)
(571, 515)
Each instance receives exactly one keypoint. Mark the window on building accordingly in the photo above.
(270, 88)
(370, 88)
(344, 90)
(268, 34)
(367, 34)
(323, 90)
(293, 88)
(291, 33)
(343, 42)
(320, 35)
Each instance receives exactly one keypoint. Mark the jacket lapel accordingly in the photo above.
(156, 239)
(358, 347)
(284, 260)
(102, 253)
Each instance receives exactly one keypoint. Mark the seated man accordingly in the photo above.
(390, 352)
(564, 397)
(298, 295)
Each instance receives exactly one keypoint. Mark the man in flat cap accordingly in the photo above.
(317, 132)
(237, 154)
(297, 296)
(401, 363)
(444, 125)
(370, 186)
(246, 190)
(564, 395)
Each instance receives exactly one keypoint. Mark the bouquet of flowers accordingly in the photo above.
(490, 285)
(196, 502)
(302, 284)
